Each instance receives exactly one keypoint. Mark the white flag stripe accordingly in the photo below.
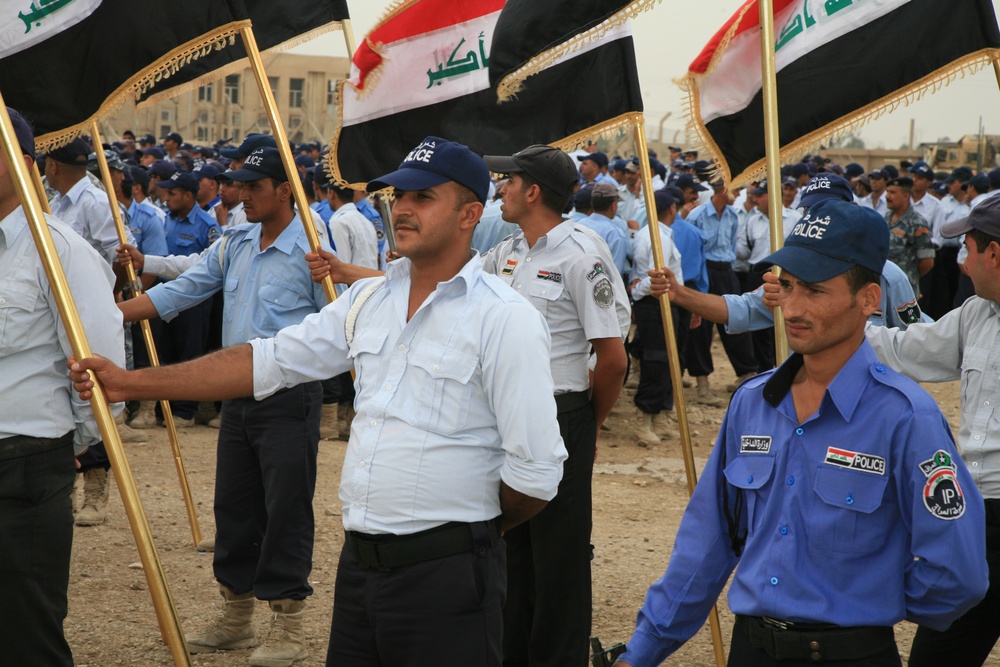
(36, 21)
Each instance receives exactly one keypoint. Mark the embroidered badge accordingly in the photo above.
(755, 444)
(855, 460)
(551, 276)
(604, 294)
(509, 267)
(909, 312)
(187, 237)
(213, 234)
(943, 496)
(598, 271)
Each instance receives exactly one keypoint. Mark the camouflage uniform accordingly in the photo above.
(909, 242)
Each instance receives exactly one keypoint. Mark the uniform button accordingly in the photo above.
(799, 431)
(543, 291)
(388, 387)
(975, 464)
(849, 500)
(361, 464)
(816, 657)
(3, 301)
(402, 347)
(880, 368)
(519, 286)
(791, 480)
(814, 646)
(528, 260)
(373, 423)
(783, 530)
(437, 367)
(357, 505)
(986, 403)
(978, 437)
(774, 581)
(749, 479)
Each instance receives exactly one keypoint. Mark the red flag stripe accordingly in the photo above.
(751, 21)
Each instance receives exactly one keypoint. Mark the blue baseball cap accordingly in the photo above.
(24, 133)
(182, 180)
(826, 186)
(173, 136)
(147, 139)
(923, 171)
(436, 161)
(251, 143)
(664, 200)
(155, 151)
(583, 196)
(853, 170)
(207, 171)
(830, 239)
(599, 158)
(262, 163)
(687, 181)
(162, 169)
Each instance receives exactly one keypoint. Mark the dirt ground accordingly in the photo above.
(639, 496)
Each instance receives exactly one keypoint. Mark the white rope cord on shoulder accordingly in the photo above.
(352, 314)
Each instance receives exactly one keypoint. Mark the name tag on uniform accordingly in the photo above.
(755, 444)
(855, 460)
(187, 237)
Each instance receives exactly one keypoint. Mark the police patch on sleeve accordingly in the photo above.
(943, 496)
(597, 271)
(604, 294)
(213, 234)
(909, 312)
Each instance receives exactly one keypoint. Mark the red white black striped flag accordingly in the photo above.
(840, 63)
(425, 70)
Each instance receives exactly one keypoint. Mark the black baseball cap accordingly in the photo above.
(74, 153)
(549, 166)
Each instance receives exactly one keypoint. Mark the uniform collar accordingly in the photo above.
(73, 194)
(287, 240)
(12, 226)
(344, 209)
(471, 273)
(844, 392)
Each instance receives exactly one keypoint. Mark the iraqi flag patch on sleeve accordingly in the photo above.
(942, 493)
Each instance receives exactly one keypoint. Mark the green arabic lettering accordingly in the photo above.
(36, 14)
(482, 52)
(834, 6)
(810, 21)
(470, 63)
(789, 31)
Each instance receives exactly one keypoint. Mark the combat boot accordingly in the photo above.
(285, 643)
(233, 629)
(145, 417)
(644, 431)
(705, 395)
(126, 432)
(94, 509)
(663, 425)
(344, 418)
(329, 427)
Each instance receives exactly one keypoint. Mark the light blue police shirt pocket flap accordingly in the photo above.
(232, 283)
(850, 489)
(19, 294)
(367, 341)
(750, 471)
(276, 294)
(545, 289)
(442, 362)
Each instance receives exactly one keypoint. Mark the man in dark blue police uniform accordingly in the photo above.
(835, 488)
(189, 231)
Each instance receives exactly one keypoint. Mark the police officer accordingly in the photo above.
(266, 469)
(835, 488)
(565, 273)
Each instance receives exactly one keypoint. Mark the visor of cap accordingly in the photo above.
(804, 263)
(407, 179)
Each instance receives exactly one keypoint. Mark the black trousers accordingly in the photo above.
(970, 639)
(939, 286)
(36, 538)
(743, 654)
(443, 612)
(546, 621)
(338, 389)
(739, 347)
(264, 482)
(183, 338)
(656, 388)
(140, 354)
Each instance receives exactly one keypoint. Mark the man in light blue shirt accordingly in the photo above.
(42, 421)
(266, 470)
(604, 201)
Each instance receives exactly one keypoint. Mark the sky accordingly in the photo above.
(670, 35)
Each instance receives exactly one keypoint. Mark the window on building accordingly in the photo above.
(237, 121)
(165, 130)
(205, 92)
(331, 92)
(165, 114)
(202, 134)
(273, 81)
(296, 88)
(233, 88)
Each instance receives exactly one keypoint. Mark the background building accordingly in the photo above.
(304, 88)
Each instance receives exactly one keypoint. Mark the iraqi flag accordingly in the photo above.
(66, 63)
(424, 70)
(277, 25)
(840, 64)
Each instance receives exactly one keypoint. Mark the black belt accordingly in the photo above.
(572, 400)
(816, 642)
(22, 445)
(387, 552)
(718, 266)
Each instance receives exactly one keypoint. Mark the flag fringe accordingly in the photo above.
(513, 82)
(142, 81)
(237, 66)
(845, 125)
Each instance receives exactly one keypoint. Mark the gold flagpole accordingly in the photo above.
(147, 335)
(305, 213)
(169, 622)
(36, 180)
(680, 402)
(772, 148)
(345, 27)
(996, 69)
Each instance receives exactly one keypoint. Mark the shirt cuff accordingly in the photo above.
(162, 302)
(536, 479)
(644, 650)
(267, 377)
(154, 265)
(739, 314)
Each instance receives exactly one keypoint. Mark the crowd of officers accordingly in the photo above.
(218, 242)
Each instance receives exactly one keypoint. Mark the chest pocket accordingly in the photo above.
(852, 517)
(18, 299)
(750, 473)
(542, 293)
(973, 366)
(229, 301)
(447, 375)
(366, 343)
